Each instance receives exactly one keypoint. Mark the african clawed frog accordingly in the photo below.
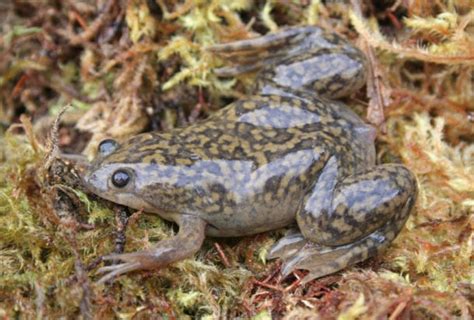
(286, 153)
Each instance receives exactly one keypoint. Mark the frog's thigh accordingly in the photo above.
(341, 212)
(350, 220)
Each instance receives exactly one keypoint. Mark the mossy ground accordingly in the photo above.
(130, 66)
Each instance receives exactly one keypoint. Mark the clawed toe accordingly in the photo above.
(116, 270)
(117, 257)
(287, 246)
(187, 242)
(271, 40)
(323, 260)
(300, 259)
(296, 252)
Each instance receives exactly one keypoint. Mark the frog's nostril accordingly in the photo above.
(86, 179)
(90, 180)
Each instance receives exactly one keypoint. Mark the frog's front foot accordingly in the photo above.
(345, 221)
(187, 242)
(117, 269)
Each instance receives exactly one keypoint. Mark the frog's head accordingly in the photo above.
(114, 177)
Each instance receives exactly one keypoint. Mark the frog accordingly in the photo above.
(288, 154)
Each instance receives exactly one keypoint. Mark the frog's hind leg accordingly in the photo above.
(297, 61)
(253, 54)
(265, 42)
(322, 260)
(350, 220)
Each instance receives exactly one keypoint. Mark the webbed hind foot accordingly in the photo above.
(299, 253)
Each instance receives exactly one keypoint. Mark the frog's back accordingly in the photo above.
(265, 128)
(259, 129)
(243, 130)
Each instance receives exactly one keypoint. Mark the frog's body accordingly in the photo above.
(263, 161)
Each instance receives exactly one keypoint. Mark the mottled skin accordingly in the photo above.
(260, 163)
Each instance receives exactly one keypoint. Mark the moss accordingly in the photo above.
(143, 65)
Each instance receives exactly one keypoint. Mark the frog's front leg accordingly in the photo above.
(348, 220)
(187, 242)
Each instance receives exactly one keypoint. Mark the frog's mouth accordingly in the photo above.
(94, 177)
(125, 197)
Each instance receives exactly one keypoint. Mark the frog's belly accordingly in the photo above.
(250, 199)
(252, 217)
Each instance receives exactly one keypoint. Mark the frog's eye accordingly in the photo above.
(107, 146)
(120, 178)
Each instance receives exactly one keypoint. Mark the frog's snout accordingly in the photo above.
(94, 183)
